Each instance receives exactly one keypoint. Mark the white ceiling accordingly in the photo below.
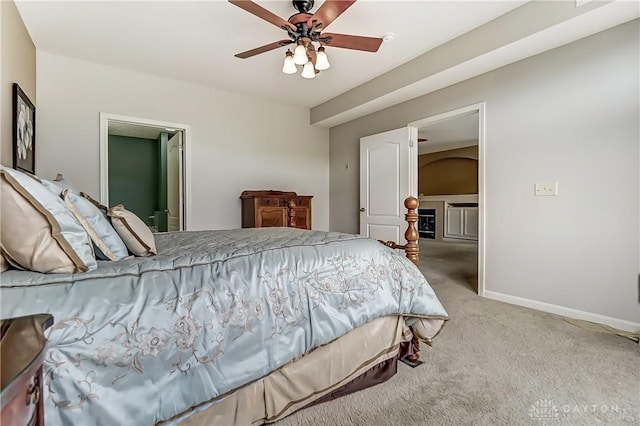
(195, 40)
(456, 132)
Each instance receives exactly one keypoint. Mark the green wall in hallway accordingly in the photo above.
(134, 174)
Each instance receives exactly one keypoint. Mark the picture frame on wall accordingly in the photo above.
(24, 131)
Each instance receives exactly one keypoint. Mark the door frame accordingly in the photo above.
(105, 118)
(480, 108)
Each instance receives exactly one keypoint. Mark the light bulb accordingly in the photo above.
(308, 71)
(300, 55)
(289, 67)
(322, 62)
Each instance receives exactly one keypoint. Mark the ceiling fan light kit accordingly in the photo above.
(305, 30)
(289, 66)
(300, 55)
(308, 71)
(322, 61)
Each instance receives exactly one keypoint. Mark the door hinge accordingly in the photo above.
(410, 143)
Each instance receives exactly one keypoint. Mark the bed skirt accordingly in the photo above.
(364, 357)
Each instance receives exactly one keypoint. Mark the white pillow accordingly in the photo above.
(108, 244)
(133, 231)
(51, 186)
(104, 236)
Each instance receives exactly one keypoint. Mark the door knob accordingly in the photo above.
(362, 209)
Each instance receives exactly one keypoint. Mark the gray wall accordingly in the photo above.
(18, 60)
(568, 115)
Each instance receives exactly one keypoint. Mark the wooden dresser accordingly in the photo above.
(275, 208)
(22, 351)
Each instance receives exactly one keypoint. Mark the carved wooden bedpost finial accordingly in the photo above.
(292, 213)
(411, 234)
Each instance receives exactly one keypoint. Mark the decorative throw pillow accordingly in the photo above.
(104, 209)
(133, 231)
(104, 236)
(39, 233)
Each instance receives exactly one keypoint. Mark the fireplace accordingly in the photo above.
(427, 223)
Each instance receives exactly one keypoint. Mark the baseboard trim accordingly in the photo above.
(564, 311)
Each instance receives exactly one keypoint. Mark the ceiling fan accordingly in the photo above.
(304, 29)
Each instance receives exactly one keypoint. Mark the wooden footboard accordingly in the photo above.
(411, 234)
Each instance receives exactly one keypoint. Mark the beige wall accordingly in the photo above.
(569, 115)
(451, 172)
(18, 57)
(466, 152)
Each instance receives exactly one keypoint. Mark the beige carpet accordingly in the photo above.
(496, 364)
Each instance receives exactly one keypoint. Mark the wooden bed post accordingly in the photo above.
(411, 234)
(411, 249)
(412, 252)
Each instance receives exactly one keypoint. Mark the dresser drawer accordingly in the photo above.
(271, 202)
(302, 201)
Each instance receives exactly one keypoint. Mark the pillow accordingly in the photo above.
(110, 245)
(133, 231)
(39, 233)
(103, 209)
(4, 265)
(51, 186)
(64, 183)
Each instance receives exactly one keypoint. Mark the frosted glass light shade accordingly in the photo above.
(289, 66)
(300, 55)
(308, 71)
(322, 62)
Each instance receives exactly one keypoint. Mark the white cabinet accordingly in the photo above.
(453, 222)
(461, 221)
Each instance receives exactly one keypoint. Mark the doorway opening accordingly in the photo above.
(451, 190)
(144, 167)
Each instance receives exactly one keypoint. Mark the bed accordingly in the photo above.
(239, 326)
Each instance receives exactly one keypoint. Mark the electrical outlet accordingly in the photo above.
(546, 188)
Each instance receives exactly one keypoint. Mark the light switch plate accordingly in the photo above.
(548, 188)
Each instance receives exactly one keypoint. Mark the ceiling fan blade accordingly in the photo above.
(345, 41)
(262, 49)
(263, 13)
(329, 11)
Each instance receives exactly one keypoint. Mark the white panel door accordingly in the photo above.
(174, 183)
(388, 175)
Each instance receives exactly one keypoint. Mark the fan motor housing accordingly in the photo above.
(303, 6)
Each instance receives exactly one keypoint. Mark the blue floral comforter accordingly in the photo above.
(139, 341)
